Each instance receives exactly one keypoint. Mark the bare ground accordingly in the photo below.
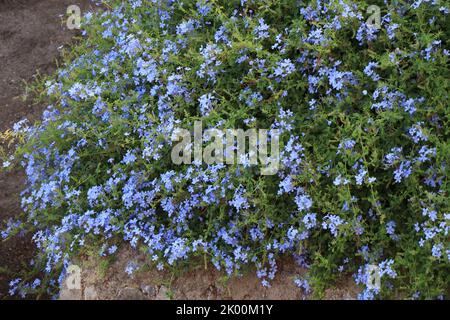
(102, 280)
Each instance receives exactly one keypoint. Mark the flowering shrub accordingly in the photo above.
(364, 121)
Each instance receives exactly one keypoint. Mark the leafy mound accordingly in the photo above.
(364, 121)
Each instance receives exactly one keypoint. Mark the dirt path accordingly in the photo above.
(30, 33)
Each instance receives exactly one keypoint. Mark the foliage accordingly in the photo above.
(364, 118)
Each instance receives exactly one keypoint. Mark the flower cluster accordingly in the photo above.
(363, 114)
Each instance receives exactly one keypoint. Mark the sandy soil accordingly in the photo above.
(31, 31)
(106, 280)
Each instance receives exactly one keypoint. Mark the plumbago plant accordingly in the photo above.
(364, 121)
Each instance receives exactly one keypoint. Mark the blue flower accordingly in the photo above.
(206, 104)
(93, 194)
(360, 176)
(262, 30)
(129, 157)
(186, 27)
(112, 249)
(403, 171)
(309, 220)
(391, 30)
(202, 8)
(416, 133)
(221, 35)
(436, 251)
(347, 144)
(386, 268)
(303, 202)
(131, 267)
(303, 284)
(368, 70)
(284, 68)
(239, 201)
(332, 222)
